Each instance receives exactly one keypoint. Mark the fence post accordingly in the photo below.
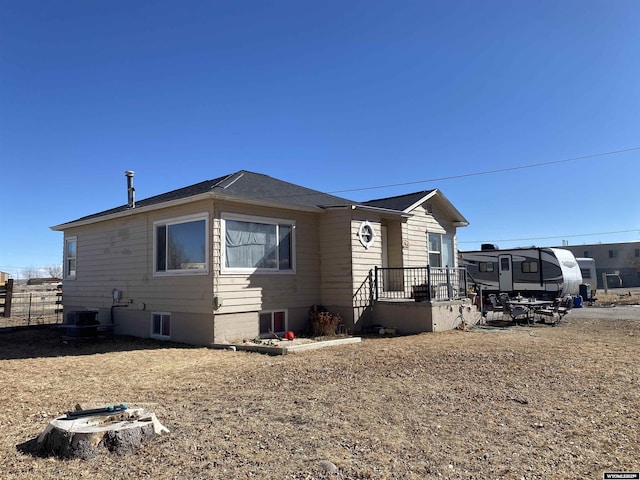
(29, 315)
(429, 281)
(449, 287)
(7, 299)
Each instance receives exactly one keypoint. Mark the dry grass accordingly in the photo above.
(629, 298)
(519, 402)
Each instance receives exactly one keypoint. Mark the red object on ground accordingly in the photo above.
(289, 335)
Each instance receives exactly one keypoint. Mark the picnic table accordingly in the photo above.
(526, 307)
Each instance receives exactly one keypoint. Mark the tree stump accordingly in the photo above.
(86, 436)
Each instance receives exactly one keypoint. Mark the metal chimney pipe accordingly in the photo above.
(131, 192)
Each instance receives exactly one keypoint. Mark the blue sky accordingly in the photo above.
(331, 95)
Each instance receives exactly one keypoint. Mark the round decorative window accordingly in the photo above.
(366, 234)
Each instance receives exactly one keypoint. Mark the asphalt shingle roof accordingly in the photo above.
(400, 202)
(242, 184)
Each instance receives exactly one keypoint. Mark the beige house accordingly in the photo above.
(245, 254)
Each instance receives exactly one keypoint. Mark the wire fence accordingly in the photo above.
(34, 305)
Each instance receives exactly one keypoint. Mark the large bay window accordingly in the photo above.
(440, 250)
(181, 245)
(257, 244)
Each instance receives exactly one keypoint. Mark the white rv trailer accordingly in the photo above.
(540, 272)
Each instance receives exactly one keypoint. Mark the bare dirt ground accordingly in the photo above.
(503, 403)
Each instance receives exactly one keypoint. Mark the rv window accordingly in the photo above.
(485, 266)
(530, 267)
(504, 264)
(586, 273)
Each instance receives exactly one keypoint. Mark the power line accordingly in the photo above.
(488, 172)
(547, 238)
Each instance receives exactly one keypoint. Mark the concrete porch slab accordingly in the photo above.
(283, 347)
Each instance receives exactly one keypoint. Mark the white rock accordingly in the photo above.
(329, 466)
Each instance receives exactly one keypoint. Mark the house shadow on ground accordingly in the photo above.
(46, 341)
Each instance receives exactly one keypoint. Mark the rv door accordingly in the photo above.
(505, 273)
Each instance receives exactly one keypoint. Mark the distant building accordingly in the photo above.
(621, 258)
(4, 276)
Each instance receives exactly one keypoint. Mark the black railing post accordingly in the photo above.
(375, 283)
(463, 272)
(449, 288)
(429, 281)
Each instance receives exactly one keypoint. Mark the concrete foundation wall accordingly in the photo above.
(236, 327)
(418, 317)
(190, 328)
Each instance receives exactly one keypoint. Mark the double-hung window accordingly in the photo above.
(257, 244)
(70, 257)
(440, 250)
(181, 245)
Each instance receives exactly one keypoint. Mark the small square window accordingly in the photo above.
(273, 322)
(530, 267)
(613, 253)
(161, 325)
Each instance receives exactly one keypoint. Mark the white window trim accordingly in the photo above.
(275, 310)
(442, 247)
(366, 234)
(160, 336)
(255, 219)
(177, 220)
(67, 276)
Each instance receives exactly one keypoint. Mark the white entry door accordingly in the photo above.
(505, 273)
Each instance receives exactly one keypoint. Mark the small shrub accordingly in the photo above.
(322, 322)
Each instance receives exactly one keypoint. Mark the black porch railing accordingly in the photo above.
(420, 283)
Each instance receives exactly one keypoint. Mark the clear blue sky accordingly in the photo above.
(331, 95)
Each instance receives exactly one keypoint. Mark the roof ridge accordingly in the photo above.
(403, 195)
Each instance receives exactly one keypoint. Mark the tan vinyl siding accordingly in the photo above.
(365, 259)
(118, 254)
(335, 247)
(254, 292)
(416, 230)
(395, 248)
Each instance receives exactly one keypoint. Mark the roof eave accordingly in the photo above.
(422, 200)
(457, 218)
(383, 211)
(182, 201)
